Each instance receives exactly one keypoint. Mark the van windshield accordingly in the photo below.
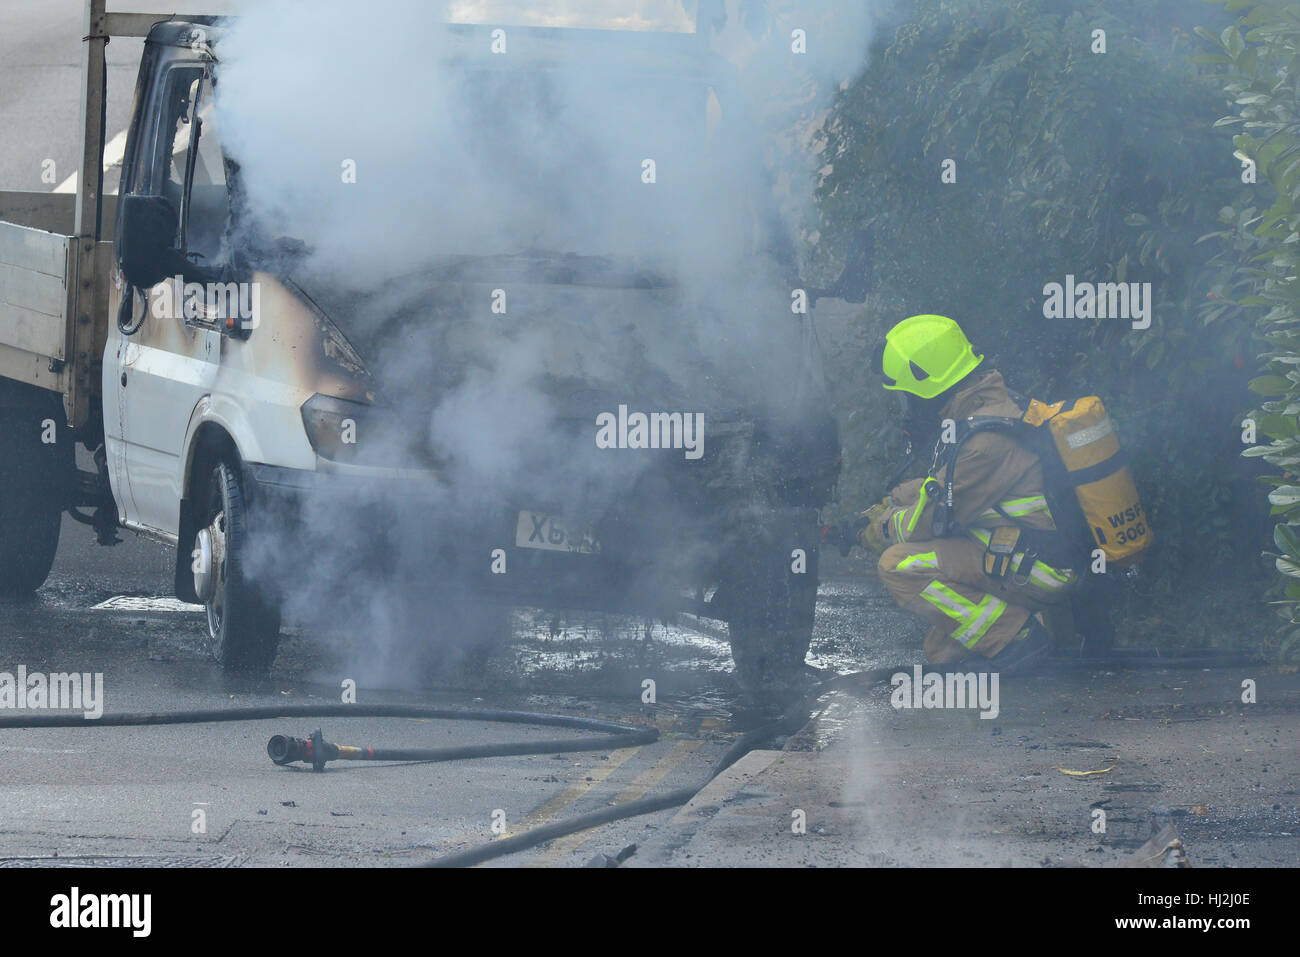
(620, 145)
(632, 171)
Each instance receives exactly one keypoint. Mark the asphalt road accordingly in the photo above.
(122, 795)
(881, 787)
(40, 85)
(208, 795)
(134, 792)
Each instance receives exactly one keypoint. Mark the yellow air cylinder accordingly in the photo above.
(1086, 441)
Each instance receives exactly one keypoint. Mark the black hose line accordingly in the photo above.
(794, 718)
(283, 749)
(549, 832)
(613, 735)
(262, 712)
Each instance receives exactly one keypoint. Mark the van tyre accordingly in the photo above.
(771, 609)
(34, 478)
(243, 616)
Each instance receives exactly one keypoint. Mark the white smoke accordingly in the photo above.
(455, 152)
(388, 143)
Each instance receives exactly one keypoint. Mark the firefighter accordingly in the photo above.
(985, 573)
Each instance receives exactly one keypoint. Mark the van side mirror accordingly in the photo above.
(146, 251)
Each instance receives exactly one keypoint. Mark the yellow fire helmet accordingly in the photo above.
(926, 355)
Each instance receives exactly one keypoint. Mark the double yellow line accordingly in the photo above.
(646, 780)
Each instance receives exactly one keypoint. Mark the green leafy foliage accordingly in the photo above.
(1260, 57)
(1107, 166)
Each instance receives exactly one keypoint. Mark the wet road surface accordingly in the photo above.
(133, 792)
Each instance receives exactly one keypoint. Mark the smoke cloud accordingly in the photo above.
(425, 167)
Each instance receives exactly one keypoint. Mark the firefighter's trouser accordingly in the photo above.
(943, 581)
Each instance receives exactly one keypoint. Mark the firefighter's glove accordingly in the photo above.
(871, 535)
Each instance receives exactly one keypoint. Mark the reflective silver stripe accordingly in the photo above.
(1044, 578)
(1023, 506)
(938, 597)
(972, 620)
(992, 609)
(1042, 574)
(1077, 440)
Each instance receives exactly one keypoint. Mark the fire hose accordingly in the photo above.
(794, 717)
(314, 750)
(283, 750)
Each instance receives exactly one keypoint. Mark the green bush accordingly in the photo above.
(1106, 166)
(1260, 254)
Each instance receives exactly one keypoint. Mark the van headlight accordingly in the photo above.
(336, 427)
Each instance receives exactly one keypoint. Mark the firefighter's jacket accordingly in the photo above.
(992, 470)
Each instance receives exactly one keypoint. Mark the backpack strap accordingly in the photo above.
(943, 525)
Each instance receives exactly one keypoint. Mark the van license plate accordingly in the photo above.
(539, 530)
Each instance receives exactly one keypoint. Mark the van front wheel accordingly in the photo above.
(243, 614)
(771, 605)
